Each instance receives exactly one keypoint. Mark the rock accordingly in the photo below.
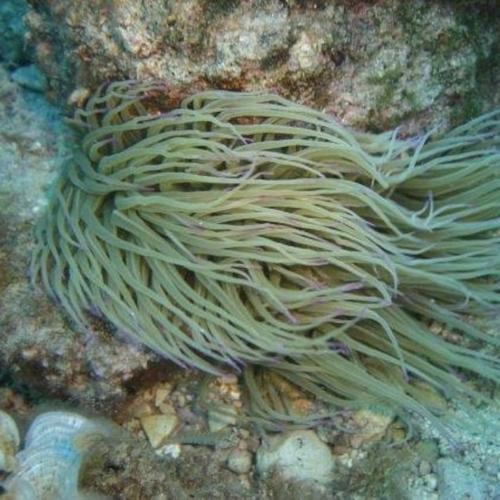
(158, 427)
(140, 408)
(13, 31)
(9, 442)
(169, 450)
(30, 77)
(373, 64)
(424, 468)
(372, 427)
(299, 455)
(459, 481)
(40, 348)
(430, 480)
(239, 461)
(161, 395)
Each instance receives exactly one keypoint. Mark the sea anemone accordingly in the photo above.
(244, 230)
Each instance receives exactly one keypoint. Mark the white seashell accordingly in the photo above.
(49, 466)
(54, 427)
(51, 472)
(9, 442)
(19, 489)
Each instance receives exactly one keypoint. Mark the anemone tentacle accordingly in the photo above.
(242, 228)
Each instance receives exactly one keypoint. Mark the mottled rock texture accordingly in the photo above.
(38, 347)
(12, 31)
(374, 64)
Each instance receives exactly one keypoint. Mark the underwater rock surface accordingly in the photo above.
(372, 64)
(38, 346)
(12, 32)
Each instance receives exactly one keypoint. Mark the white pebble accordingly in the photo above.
(158, 427)
(239, 461)
(299, 455)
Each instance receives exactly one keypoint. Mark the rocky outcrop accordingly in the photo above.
(372, 64)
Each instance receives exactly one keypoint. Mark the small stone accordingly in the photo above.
(220, 419)
(235, 395)
(428, 451)
(161, 395)
(431, 481)
(459, 481)
(158, 427)
(243, 445)
(299, 455)
(304, 54)
(78, 96)
(169, 450)
(30, 77)
(372, 427)
(140, 408)
(166, 408)
(180, 399)
(239, 461)
(424, 468)
(398, 435)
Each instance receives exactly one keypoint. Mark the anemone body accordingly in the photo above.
(242, 229)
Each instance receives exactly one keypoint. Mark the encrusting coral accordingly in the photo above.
(242, 229)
